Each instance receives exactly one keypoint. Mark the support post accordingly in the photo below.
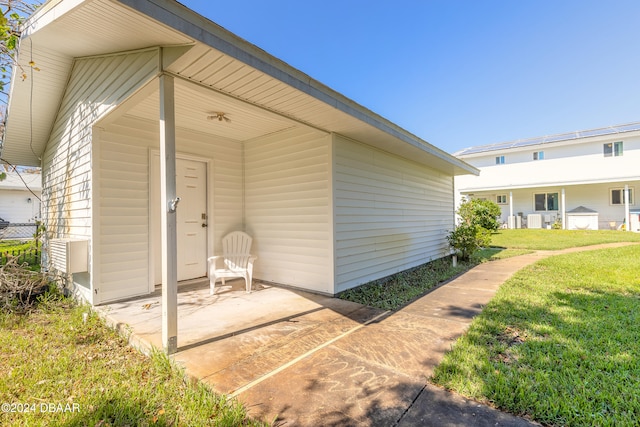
(168, 218)
(563, 218)
(627, 216)
(512, 220)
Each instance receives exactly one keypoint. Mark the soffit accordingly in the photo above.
(196, 108)
(222, 73)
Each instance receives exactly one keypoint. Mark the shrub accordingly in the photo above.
(481, 213)
(465, 239)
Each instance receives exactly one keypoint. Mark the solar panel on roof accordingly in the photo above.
(629, 127)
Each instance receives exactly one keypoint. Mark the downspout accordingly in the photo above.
(244, 188)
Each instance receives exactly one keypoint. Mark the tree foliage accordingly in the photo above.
(480, 213)
(12, 15)
(478, 218)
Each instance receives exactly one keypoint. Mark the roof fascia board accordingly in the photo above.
(205, 31)
(491, 149)
(550, 184)
(47, 14)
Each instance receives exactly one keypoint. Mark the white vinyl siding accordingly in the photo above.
(96, 85)
(17, 203)
(573, 163)
(288, 208)
(596, 197)
(123, 220)
(125, 200)
(391, 214)
(15, 206)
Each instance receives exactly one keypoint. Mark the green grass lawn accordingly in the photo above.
(540, 239)
(560, 341)
(58, 370)
(25, 250)
(395, 291)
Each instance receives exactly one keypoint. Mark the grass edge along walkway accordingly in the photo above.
(558, 343)
(62, 365)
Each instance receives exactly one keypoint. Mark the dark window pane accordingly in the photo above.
(616, 197)
(552, 201)
(540, 199)
(617, 148)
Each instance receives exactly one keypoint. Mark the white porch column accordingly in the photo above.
(563, 218)
(168, 217)
(512, 220)
(627, 216)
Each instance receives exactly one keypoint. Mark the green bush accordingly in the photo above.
(466, 239)
(481, 213)
(478, 219)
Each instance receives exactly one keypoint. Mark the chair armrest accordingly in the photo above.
(252, 258)
(212, 260)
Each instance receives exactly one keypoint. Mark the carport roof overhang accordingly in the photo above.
(64, 30)
(546, 184)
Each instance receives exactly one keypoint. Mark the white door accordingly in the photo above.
(191, 187)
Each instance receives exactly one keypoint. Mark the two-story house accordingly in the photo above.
(578, 180)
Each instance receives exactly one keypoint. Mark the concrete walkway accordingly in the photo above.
(377, 374)
(336, 363)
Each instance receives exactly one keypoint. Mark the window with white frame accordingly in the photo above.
(538, 155)
(616, 196)
(614, 149)
(499, 160)
(501, 199)
(546, 201)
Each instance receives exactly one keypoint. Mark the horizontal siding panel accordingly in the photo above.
(95, 85)
(113, 245)
(124, 217)
(295, 183)
(369, 244)
(124, 278)
(391, 214)
(124, 193)
(287, 208)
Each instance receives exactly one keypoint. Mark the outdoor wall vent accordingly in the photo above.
(69, 255)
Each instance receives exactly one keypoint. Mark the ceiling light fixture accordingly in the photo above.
(219, 116)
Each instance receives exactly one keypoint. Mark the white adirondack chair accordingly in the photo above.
(237, 260)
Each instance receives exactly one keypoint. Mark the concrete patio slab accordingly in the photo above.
(309, 360)
(334, 388)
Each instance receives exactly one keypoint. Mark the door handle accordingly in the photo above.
(204, 225)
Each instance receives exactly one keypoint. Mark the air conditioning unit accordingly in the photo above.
(534, 221)
(69, 255)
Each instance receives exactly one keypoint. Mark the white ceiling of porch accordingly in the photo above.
(194, 104)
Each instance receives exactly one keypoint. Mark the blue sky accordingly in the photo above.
(459, 73)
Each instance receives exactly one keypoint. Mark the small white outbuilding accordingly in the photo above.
(20, 197)
(139, 102)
